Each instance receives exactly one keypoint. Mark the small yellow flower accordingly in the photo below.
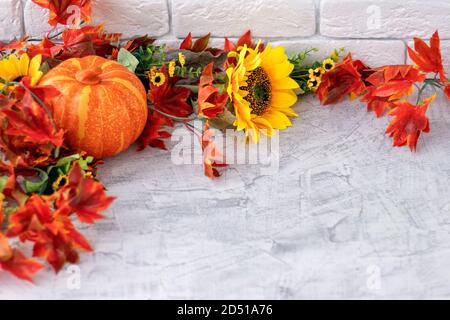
(181, 59)
(328, 64)
(172, 66)
(62, 181)
(314, 83)
(316, 73)
(158, 79)
(13, 68)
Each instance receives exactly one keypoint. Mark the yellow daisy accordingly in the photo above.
(157, 78)
(328, 64)
(316, 73)
(261, 89)
(314, 83)
(12, 68)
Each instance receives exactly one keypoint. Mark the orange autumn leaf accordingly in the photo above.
(16, 45)
(408, 123)
(213, 158)
(428, 58)
(210, 102)
(15, 262)
(388, 84)
(66, 11)
(154, 133)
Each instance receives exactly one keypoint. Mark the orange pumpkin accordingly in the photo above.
(103, 106)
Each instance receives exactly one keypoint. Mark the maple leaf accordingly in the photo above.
(388, 84)
(409, 122)
(210, 102)
(428, 58)
(245, 39)
(154, 132)
(200, 45)
(84, 196)
(63, 11)
(134, 44)
(14, 261)
(16, 45)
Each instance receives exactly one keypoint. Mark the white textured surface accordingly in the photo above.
(384, 18)
(10, 19)
(131, 18)
(275, 18)
(343, 204)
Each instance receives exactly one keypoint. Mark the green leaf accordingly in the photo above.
(127, 59)
(37, 186)
(3, 181)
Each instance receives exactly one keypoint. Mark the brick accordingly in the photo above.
(372, 52)
(10, 19)
(131, 17)
(398, 19)
(275, 18)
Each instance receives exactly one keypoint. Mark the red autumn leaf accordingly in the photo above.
(16, 45)
(14, 261)
(88, 40)
(46, 48)
(409, 122)
(210, 102)
(245, 39)
(32, 122)
(428, 58)
(388, 84)
(43, 93)
(133, 45)
(63, 11)
(200, 45)
(84, 196)
(343, 80)
(170, 98)
(212, 156)
(154, 132)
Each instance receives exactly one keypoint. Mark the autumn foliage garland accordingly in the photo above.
(48, 186)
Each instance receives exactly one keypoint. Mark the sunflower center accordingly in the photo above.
(259, 91)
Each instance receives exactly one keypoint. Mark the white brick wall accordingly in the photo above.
(375, 30)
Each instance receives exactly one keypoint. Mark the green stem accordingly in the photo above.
(171, 116)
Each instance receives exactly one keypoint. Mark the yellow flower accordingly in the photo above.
(181, 59)
(328, 64)
(172, 66)
(12, 68)
(62, 181)
(261, 90)
(157, 78)
(314, 83)
(316, 73)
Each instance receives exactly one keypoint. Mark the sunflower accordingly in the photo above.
(261, 90)
(157, 78)
(329, 64)
(13, 69)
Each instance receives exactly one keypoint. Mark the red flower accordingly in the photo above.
(343, 80)
(428, 58)
(62, 11)
(410, 121)
(210, 102)
(390, 83)
(15, 262)
(170, 98)
(212, 156)
(154, 133)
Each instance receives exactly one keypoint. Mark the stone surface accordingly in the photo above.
(10, 19)
(346, 216)
(384, 18)
(131, 17)
(276, 18)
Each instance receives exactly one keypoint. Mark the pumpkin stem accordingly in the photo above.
(89, 76)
